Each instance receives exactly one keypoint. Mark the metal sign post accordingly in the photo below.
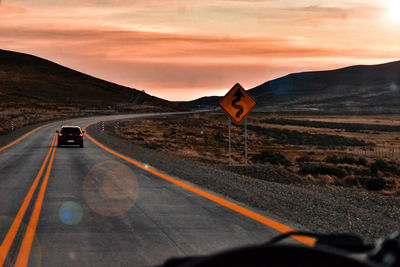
(245, 141)
(229, 133)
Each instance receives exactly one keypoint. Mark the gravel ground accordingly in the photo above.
(7, 138)
(320, 208)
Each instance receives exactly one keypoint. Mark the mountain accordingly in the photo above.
(26, 80)
(366, 88)
(34, 90)
(206, 101)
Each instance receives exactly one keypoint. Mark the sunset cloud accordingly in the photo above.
(10, 11)
(182, 50)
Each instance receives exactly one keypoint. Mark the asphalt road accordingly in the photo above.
(97, 209)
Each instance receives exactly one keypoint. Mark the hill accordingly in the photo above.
(41, 90)
(363, 88)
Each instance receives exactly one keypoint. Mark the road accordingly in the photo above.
(90, 207)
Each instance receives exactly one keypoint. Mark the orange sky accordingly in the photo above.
(185, 49)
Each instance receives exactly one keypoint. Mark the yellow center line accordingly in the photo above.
(9, 239)
(248, 213)
(23, 137)
(23, 255)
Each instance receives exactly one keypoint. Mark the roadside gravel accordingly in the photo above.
(7, 138)
(320, 208)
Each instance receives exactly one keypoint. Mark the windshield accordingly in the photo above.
(71, 130)
(132, 132)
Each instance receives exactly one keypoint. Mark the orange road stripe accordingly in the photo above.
(9, 239)
(25, 250)
(24, 136)
(248, 213)
(21, 138)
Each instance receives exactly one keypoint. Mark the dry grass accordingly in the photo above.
(205, 137)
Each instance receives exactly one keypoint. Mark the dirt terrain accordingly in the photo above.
(364, 159)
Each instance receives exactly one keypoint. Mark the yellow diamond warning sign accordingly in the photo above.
(237, 103)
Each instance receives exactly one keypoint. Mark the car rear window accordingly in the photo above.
(71, 130)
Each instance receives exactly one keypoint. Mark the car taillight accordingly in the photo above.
(60, 134)
(80, 134)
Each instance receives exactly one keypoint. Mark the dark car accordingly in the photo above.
(70, 135)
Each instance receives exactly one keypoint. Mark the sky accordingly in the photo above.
(185, 49)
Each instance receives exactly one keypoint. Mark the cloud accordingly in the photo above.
(7, 11)
(133, 46)
(322, 12)
(166, 63)
(172, 45)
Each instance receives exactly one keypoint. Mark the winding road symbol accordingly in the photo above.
(237, 103)
(238, 95)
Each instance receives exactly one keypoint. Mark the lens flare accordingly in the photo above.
(70, 213)
(110, 188)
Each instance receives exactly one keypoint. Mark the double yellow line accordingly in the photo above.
(25, 249)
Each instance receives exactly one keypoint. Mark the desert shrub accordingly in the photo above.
(384, 166)
(285, 137)
(372, 183)
(273, 158)
(348, 127)
(395, 170)
(374, 169)
(363, 172)
(303, 159)
(362, 161)
(322, 169)
(218, 136)
(347, 160)
(379, 165)
(189, 133)
(332, 159)
(348, 169)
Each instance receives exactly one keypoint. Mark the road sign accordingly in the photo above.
(237, 103)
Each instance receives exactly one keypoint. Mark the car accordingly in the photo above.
(70, 135)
